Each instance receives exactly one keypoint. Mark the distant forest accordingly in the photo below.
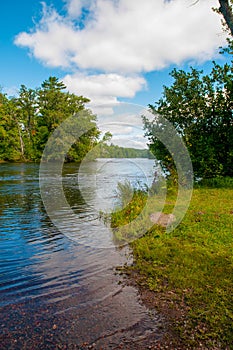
(114, 151)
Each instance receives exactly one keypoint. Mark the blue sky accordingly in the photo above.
(16, 66)
(107, 50)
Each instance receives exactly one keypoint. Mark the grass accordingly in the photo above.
(192, 267)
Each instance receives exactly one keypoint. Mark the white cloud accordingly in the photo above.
(75, 7)
(52, 40)
(124, 134)
(132, 142)
(125, 124)
(125, 35)
(122, 39)
(103, 88)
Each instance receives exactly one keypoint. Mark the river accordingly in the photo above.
(60, 291)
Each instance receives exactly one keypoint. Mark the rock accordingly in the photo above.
(162, 219)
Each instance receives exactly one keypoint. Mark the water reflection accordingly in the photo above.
(54, 290)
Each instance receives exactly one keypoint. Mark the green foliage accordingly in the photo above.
(217, 182)
(200, 107)
(130, 219)
(10, 131)
(132, 203)
(26, 123)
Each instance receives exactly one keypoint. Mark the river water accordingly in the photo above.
(59, 291)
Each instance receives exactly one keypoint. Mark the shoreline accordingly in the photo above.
(171, 311)
(186, 275)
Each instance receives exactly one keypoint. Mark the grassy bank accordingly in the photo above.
(191, 268)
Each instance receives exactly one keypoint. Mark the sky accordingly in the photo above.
(106, 50)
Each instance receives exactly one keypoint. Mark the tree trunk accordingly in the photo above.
(20, 139)
(226, 10)
(21, 143)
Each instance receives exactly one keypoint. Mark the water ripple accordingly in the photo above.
(48, 282)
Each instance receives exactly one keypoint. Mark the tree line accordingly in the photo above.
(27, 121)
(115, 151)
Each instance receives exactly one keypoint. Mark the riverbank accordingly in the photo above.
(187, 274)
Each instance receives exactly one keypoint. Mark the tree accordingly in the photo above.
(12, 147)
(56, 105)
(51, 104)
(200, 107)
(27, 113)
(27, 122)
